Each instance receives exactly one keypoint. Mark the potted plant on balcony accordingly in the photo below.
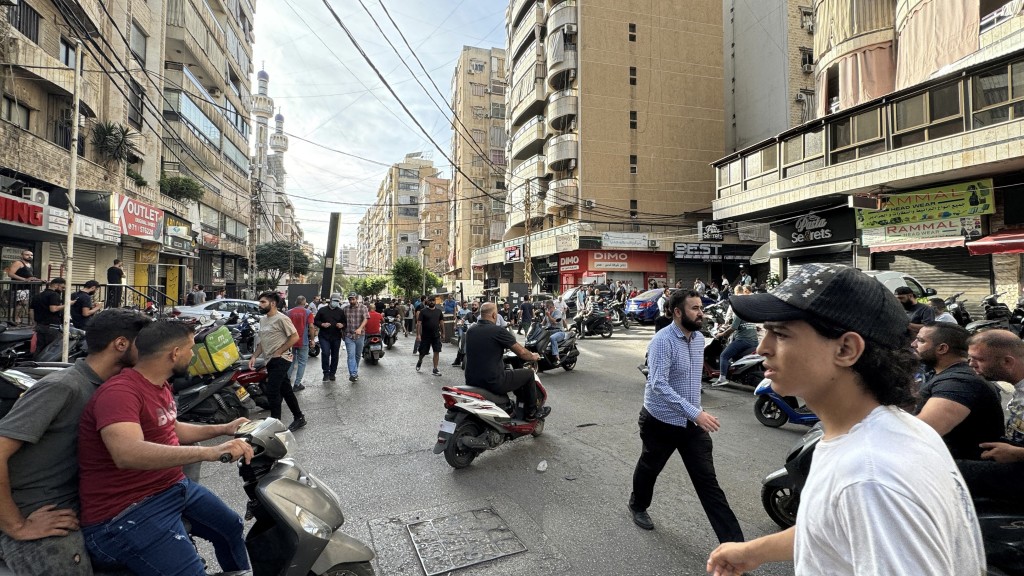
(115, 143)
(181, 188)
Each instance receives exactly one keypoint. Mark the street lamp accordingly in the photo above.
(424, 242)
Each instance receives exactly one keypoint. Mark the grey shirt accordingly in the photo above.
(45, 469)
(199, 297)
(274, 332)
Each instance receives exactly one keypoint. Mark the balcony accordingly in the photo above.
(525, 31)
(199, 147)
(516, 9)
(562, 15)
(562, 109)
(532, 167)
(562, 193)
(35, 150)
(52, 74)
(562, 64)
(195, 38)
(561, 152)
(528, 140)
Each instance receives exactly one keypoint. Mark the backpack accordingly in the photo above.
(190, 300)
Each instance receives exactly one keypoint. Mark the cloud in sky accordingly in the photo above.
(329, 95)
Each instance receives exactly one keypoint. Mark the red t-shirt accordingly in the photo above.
(104, 489)
(373, 322)
(300, 319)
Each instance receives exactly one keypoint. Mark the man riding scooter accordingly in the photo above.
(485, 347)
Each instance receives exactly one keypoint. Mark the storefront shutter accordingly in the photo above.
(947, 270)
(844, 257)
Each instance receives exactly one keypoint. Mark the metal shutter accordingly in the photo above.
(947, 270)
(844, 257)
(84, 264)
(128, 264)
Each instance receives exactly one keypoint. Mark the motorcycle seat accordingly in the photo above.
(499, 399)
(15, 335)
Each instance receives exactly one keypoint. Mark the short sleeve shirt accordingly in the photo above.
(485, 346)
(301, 318)
(921, 314)
(373, 320)
(430, 320)
(960, 384)
(82, 301)
(41, 307)
(274, 332)
(115, 275)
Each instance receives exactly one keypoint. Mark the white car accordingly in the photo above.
(224, 307)
(892, 280)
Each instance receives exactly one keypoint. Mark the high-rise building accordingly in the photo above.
(614, 111)
(390, 228)
(434, 225)
(479, 141)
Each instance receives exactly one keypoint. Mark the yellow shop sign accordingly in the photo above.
(972, 198)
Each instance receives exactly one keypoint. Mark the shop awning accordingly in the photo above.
(1008, 242)
(811, 250)
(922, 245)
(762, 255)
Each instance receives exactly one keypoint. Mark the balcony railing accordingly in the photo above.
(532, 167)
(562, 108)
(562, 193)
(529, 139)
(562, 15)
(526, 29)
(562, 151)
(199, 32)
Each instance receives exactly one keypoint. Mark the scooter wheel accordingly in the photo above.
(607, 331)
(539, 429)
(457, 456)
(351, 569)
(768, 413)
(625, 323)
(569, 364)
(781, 504)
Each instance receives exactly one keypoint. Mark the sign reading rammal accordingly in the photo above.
(140, 220)
(959, 200)
(968, 227)
(816, 228)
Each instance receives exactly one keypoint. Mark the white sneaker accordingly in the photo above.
(722, 381)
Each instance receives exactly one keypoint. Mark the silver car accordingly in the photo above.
(223, 307)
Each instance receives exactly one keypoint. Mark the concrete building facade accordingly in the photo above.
(434, 223)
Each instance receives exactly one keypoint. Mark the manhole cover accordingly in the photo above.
(463, 539)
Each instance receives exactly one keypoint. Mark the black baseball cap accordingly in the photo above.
(835, 294)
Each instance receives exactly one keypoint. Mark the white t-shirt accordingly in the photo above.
(886, 498)
(946, 317)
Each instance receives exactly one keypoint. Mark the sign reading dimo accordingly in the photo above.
(610, 260)
(569, 263)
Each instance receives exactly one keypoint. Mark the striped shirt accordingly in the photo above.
(675, 362)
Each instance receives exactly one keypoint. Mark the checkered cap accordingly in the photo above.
(835, 294)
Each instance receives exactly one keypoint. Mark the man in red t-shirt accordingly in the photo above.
(302, 319)
(130, 452)
(374, 319)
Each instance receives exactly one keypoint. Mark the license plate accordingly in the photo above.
(448, 427)
(241, 393)
(374, 346)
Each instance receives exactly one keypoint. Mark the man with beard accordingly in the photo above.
(82, 306)
(919, 314)
(277, 336)
(48, 311)
(428, 333)
(963, 408)
(130, 452)
(39, 533)
(672, 419)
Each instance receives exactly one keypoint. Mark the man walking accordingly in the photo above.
(672, 419)
(356, 315)
(48, 309)
(302, 319)
(115, 282)
(277, 337)
(428, 333)
(329, 321)
(82, 306)
(526, 313)
(39, 528)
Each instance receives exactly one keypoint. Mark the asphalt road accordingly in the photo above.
(371, 441)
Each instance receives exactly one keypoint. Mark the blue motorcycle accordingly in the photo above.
(773, 410)
(390, 331)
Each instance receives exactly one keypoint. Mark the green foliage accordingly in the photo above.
(276, 259)
(773, 280)
(181, 188)
(407, 278)
(139, 180)
(114, 142)
(370, 285)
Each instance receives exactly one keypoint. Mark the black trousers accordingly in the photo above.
(523, 384)
(694, 445)
(44, 337)
(330, 351)
(993, 480)
(279, 386)
(113, 296)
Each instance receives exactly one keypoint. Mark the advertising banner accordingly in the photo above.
(513, 254)
(623, 240)
(963, 199)
(816, 229)
(968, 227)
(140, 220)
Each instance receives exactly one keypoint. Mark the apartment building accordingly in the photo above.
(769, 68)
(916, 162)
(615, 110)
(390, 229)
(434, 225)
(479, 140)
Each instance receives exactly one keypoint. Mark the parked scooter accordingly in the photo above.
(619, 316)
(213, 399)
(16, 340)
(373, 349)
(76, 347)
(958, 309)
(13, 383)
(477, 420)
(997, 315)
(773, 410)
(390, 331)
(297, 516)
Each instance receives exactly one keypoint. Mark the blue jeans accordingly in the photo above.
(556, 337)
(354, 347)
(149, 538)
(298, 368)
(734, 349)
(330, 348)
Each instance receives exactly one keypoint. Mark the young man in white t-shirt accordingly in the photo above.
(883, 495)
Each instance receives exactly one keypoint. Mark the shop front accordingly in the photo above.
(142, 235)
(710, 261)
(176, 257)
(825, 236)
(643, 269)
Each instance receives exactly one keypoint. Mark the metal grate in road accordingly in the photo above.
(462, 539)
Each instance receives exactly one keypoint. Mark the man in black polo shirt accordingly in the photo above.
(428, 333)
(48, 310)
(82, 306)
(485, 346)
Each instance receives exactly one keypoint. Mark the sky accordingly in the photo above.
(330, 96)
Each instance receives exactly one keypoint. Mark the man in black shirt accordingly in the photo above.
(330, 320)
(485, 348)
(115, 278)
(48, 307)
(961, 406)
(919, 314)
(525, 315)
(428, 333)
(82, 306)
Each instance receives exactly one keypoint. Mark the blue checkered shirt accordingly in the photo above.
(675, 363)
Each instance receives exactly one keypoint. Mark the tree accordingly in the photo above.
(370, 286)
(407, 277)
(275, 259)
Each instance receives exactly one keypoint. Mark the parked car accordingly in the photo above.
(892, 280)
(644, 306)
(224, 306)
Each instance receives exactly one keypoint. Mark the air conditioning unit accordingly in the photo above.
(572, 74)
(652, 243)
(810, 27)
(808, 68)
(216, 92)
(570, 28)
(588, 203)
(35, 195)
(572, 164)
(801, 97)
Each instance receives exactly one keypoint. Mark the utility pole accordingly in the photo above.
(256, 209)
(69, 259)
(527, 261)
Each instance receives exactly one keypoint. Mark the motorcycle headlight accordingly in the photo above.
(312, 524)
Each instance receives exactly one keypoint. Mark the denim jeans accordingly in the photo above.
(149, 538)
(330, 348)
(734, 349)
(556, 337)
(354, 347)
(301, 353)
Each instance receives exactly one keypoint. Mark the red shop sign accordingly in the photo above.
(140, 220)
(626, 261)
(19, 212)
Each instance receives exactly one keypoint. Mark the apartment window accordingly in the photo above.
(807, 18)
(477, 230)
(138, 43)
(497, 206)
(408, 250)
(857, 136)
(25, 20)
(479, 183)
(499, 185)
(407, 173)
(476, 66)
(403, 237)
(806, 57)
(632, 209)
(67, 53)
(497, 157)
(497, 66)
(478, 135)
(632, 75)
(998, 95)
(803, 153)
(632, 32)
(761, 167)
(497, 87)
(135, 104)
(929, 115)
(632, 119)
(478, 89)
(15, 113)
(478, 161)
(478, 206)
(730, 178)
(497, 110)
(409, 186)
(632, 163)
(193, 117)
(235, 155)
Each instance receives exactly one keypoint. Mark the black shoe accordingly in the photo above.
(419, 364)
(298, 387)
(641, 518)
(456, 363)
(436, 372)
(332, 378)
(297, 423)
(327, 377)
(543, 412)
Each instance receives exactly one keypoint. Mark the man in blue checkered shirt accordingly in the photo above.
(672, 419)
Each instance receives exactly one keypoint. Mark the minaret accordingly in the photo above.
(263, 108)
(279, 144)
